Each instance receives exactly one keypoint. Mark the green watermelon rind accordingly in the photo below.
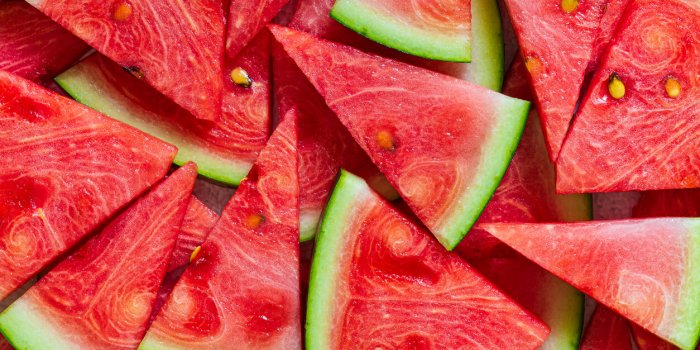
(687, 330)
(24, 328)
(392, 32)
(565, 316)
(349, 193)
(499, 150)
(79, 85)
(308, 223)
(487, 68)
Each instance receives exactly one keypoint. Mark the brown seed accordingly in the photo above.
(616, 87)
(240, 77)
(673, 87)
(385, 140)
(135, 71)
(122, 12)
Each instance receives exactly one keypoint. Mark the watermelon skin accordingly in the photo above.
(434, 186)
(632, 266)
(92, 166)
(197, 223)
(246, 19)
(606, 331)
(101, 295)
(651, 143)
(182, 59)
(377, 279)
(224, 150)
(32, 46)
(226, 296)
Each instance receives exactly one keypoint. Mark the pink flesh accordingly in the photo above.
(246, 19)
(613, 11)
(606, 331)
(648, 341)
(198, 221)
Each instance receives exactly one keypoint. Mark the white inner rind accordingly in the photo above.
(25, 327)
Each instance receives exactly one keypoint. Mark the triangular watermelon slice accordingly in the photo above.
(246, 19)
(100, 296)
(556, 40)
(32, 45)
(176, 47)
(242, 286)
(66, 169)
(648, 138)
(606, 331)
(198, 222)
(647, 270)
(378, 280)
(415, 130)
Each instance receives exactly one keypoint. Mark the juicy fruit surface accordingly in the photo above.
(434, 165)
(648, 341)
(377, 279)
(226, 295)
(432, 29)
(646, 270)
(646, 140)
(557, 48)
(246, 19)
(67, 169)
(32, 45)
(668, 203)
(179, 46)
(612, 14)
(198, 221)
(606, 331)
(88, 302)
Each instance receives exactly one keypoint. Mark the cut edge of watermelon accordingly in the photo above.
(349, 192)
(500, 148)
(488, 49)
(568, 312)
(687, 330)
(403, 37)
(25, 318)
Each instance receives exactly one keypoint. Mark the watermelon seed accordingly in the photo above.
(240, 77)
(569, 6)
(195, 252)
(135, 71)
(385, 140)
(254, 220)
(673, 87)
(616, 87)
(122, 12)
(533, 65)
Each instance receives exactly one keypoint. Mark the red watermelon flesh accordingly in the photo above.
(100, 296)
(557, 47)
(242, 287)
(32, 45)
(647, 140)
(246, 19)
(198, 221)
(645, 269)
(176, 47)
(668, 203)
(82, 165)
(648, 341)
(606, 331)
(613, 11)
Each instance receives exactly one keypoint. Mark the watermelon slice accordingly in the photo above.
(176, 47)
(646, 270)
(246, 19)
(444, 171)
(62, 161)
(652, 141)
(100, 297)
(224, 150)
(648, 341)
(556, 39)
(198, 221)
(606, 331)
(32, 46)
(432, 29)
(378, 280)
(668, 203)
(238, 290)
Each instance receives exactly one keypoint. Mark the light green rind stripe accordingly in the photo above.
(511, 115)
(308, 222)
(564, 315)
(24, 327)
(687, 329)
(349, 193)
(393, 32)
(488, 58)
(151, 342)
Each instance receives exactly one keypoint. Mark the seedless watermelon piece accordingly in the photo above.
(32, 45)
(647, 270)
(242, 287)
(62, 161)
(648, 138)
(606, 331)
(198, 221)
(246, 19)
(176, 47)
(377, 279)
(100, 297)
(414, 129)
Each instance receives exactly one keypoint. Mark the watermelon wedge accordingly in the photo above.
(556, 40)
(246, 19)
(176, 47)
(224, 150)
(432, 29)
(242, 286)
(648, 341)
(100, 297)
(62, 161)
(652, 142)
(198, 221)
(32, 45)
(378, 280)
(445, 172)
(606, 331)
(646, 270)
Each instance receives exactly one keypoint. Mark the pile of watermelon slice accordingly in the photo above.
(432, 174)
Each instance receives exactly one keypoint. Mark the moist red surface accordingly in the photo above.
(226, 296)
(198, 221)
(32, 45)
(648, 341)
(101, 295)
(60, 185)
(606, 331)
(646, 140)
(668, 203)
(175, 47)
(246, 19)
(612, 14)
